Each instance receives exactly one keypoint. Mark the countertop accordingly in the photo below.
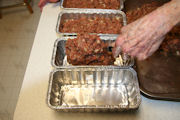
(32, 99)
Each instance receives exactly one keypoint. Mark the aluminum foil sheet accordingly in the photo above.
(93, 90)
(62, 5)
(59, 59)
(76, 13)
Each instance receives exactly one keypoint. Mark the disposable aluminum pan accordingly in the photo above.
(93, 90)
(77, 13)
(59, 59)
(62, 5)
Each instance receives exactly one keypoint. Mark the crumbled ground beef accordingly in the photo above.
(88, 50)
(101, 4)
(92, 25)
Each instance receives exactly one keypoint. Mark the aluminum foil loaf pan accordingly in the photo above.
(93, 90)
(63, 1)
(90, 13)
(59, 58)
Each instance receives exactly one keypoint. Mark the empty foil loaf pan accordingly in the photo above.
(93, 90)
(77, 13)
(59, 59)
(63, 1)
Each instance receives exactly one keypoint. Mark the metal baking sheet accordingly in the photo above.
(59, 54)
(76, 13)
(93, 90)
(62, 5)
(159, 77)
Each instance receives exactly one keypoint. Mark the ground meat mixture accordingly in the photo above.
(141, 11)
(88, 50)
(171, 44)
(92, 25)
(102, 4)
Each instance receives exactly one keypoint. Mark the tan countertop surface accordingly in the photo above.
(32, 99)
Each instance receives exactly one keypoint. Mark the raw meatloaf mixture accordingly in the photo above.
(88, 50)
(171, 43)
(141, 11)
(102, 4)
(92, 25)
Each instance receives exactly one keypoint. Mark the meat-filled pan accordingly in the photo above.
(59, 59)
(96, 4)
(90, 21)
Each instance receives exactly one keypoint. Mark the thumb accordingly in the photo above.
(116, 51)
(118, 45)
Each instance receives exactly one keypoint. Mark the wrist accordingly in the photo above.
(175, 0)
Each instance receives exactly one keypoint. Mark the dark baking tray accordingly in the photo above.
(159, 75)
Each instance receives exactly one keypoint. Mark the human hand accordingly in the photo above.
(144, 36)
(42, 3)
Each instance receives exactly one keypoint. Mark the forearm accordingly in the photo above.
(170, 12)
(177, 2)
(163, 19)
